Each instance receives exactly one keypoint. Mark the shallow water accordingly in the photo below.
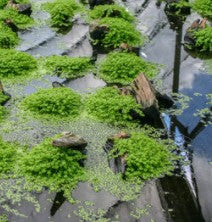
(185, 198)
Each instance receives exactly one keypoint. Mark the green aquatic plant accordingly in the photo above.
(119, 31)
(67, 67)
(20, 20)
(8, 156)
(8, 38)
(53, 102)
(102, 11)
(120, 67)
(203, 39)
(3, 98)
(3, 112)
(146, 158)
(203, 7)
(62, 12)
(109, 106)
(14, 63)
(56, 168)
(3, 3)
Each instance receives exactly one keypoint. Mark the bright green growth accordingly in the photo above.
(203, 7)
(8, 155)
(62, 12)
(203, 39)
(53, 102)
(102, 11)
(3, 3)
(146, 158)
(120, 31)
(3, 98)
(109, 106)
(68, 67)
(14, 63)
(53, 167)
(3, 112)
(8, 38)
(120, 67)
(20, 20)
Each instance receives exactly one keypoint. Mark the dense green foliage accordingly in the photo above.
(109, 106)
(120, 67)
(120, 31)
(3, 3)
(3, 98)
(8, 38)
(52, 167)
(102, 11)
(20, 20)
(7, 156)
(3, 112)
(14, 63)
(3, 218)
(53, 102)
(146, 158)
(203, 39)
(62, 12)
(68, 67)
(203, 7)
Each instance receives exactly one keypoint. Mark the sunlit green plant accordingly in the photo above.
(14, 63)
(146, 157)
(3, 3)
(102, 11)
(67, 67)
(119, 31)
(62, 12)
(109, 106)
(20, 20)
(53, 102)
(8, 156)
(120, 67)
(203, 7)
(8, 38)
(56, 168)
(203, 39)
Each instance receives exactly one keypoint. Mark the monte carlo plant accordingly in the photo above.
(3, 3)
(121, 67)
(67, 67)
(58, 102)
(203, 39)
(102, 11)
(8, 38)
(119, 31)
(108, 105)
(8, 156)
(59, 169)
(146, 158)
(62, 12)
(20, 20)
(14, 63)
(203, 7)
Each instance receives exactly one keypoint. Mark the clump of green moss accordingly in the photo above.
(68, 67)
(119, 31)
(203, 39)
(108, 105)
(8, 38)
(62, 12)
(8, 154)
(14, 63)
(120, 67)
(3, 3)
(203, 7)
(56, 168)
(102, 11)
(3, 98)
(3, 110)
(20, 20)
(54, 102)
(146, 158)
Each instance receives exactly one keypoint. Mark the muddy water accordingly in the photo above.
(177, 198)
